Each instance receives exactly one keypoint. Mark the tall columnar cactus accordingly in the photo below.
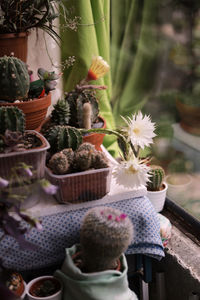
(14, 79)
(156, 178)
(76, 100)
(105, 234)
(11, 118)
(61, 113)
(61, 137)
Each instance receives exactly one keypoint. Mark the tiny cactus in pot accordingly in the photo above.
(105, 234)
(11, 118)
(156, 177)
(61, 113)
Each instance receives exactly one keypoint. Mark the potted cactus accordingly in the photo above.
(19, 17)
(81, 172)
(20, 145)
(16, 90)
(44, 287)
(156, 187)
(97, 267)
(80, 108)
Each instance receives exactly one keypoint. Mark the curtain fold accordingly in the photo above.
(91, 38)
(133, 54)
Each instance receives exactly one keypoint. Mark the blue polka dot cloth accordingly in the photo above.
(61, 230)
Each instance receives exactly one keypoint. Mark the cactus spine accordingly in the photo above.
(61, 137)
(59, 163)
(156, 178)
(14, 79)
(105, 234)
(11, 118)
(61, 113)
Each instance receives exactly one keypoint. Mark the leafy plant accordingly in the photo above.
(21, 16)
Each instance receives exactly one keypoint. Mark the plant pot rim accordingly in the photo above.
(30, 101)
(28, 286)
(14, 34)
(93, 171)
(161, 191)
(45, 146)
(189, 107)
(179, 185)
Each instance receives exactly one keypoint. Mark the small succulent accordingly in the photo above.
(156, 177)
(105, 234)
(42, 86)
(61, 113)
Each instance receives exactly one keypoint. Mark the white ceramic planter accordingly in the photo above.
(178, 186)
(157, 198)
(56, 296)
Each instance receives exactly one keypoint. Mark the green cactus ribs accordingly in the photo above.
(61, 113)
(14, 79)
(103, 244)
(11, 118)
(156, 178)
(61, 137)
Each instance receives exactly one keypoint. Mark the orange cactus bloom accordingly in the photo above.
(99, 67)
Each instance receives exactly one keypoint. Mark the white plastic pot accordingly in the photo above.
(157, 198)
(56, 296)
(178, 186)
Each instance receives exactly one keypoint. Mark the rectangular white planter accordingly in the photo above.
(82, 186)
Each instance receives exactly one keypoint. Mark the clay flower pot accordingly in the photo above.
(35, 110)
(35, 157)
(14, 43)
(44, 287)
(96, 138)
(190, 117)
(17, 285)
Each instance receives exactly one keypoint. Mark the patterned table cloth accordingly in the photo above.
(61, 227)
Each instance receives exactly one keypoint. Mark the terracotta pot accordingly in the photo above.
(35, 157)
(35, 110)
(190, 117)
(14, 43)
(17, 284)
(96, 138)
(34, 285)
(82, 186)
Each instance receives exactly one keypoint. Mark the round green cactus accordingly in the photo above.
(11, 118)
(105, 234)
(59, 164)
(14, 79)
(61, 137)
(156, 178)
(61, 113)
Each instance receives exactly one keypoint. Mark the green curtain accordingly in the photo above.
(133, 54)
(91, 38)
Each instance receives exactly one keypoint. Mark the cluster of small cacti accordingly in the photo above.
(156, 178)
(14, 79)
(11, 118)
(84, 158)
(61, 137)
(105, 234)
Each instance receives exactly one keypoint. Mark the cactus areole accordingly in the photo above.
(14, 79)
